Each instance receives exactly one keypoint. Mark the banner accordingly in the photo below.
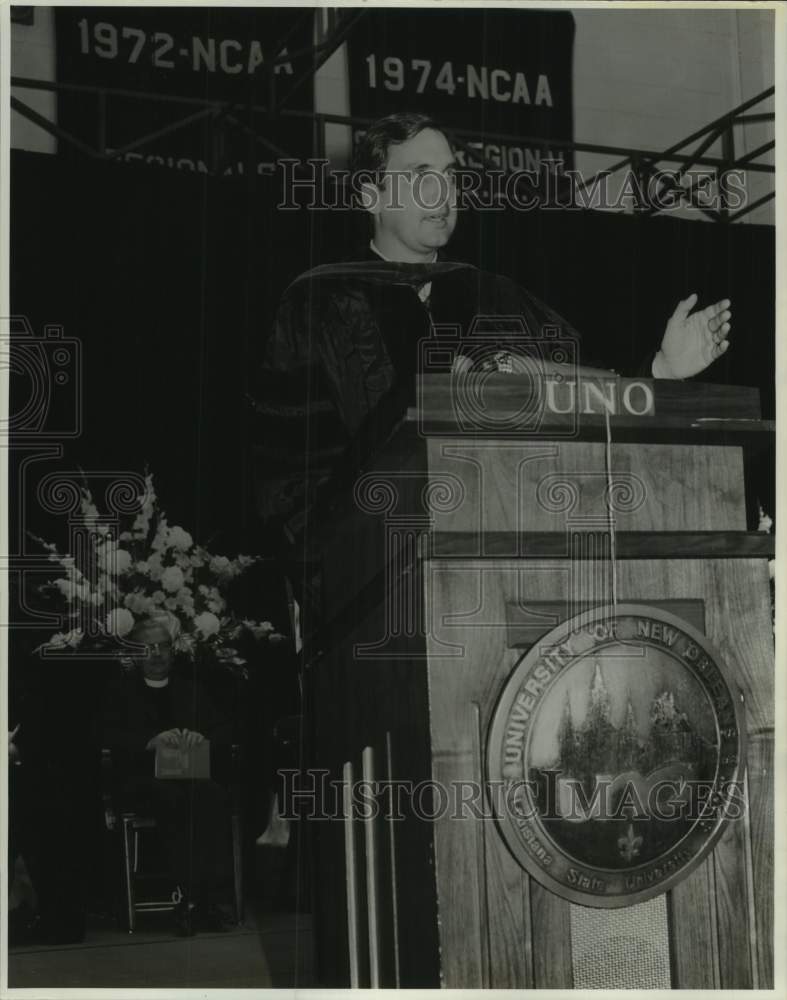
(202, 54)
(491, 72)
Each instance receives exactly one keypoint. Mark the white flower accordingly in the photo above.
(766, 522)
(120, 622)
(67, 588)
(170, 603)
(184, 644)
(60, 640)
(179, 538)
(139, 603)
(88, 508)
(140, 526)
(217, 605)
(161, 536)
(105, 553)
(147, 503)
(143, 567)
(172, 579)
(149, 499)
(73, 591)
(77, 578)
(220, 565)
(260, 630)
(158, 597)
(49, 546)
(123, 561)
(185, 598)
(154, 566)
(207, 623)
(226, 654)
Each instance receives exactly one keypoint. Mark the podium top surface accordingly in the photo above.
(576, 403)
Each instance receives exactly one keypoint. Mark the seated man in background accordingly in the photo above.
(154, 706)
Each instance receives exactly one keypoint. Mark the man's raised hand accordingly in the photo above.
(692, 342)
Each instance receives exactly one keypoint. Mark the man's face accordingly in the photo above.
(415, 212)
(158, 663)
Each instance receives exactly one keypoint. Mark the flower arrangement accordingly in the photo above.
(150, 570)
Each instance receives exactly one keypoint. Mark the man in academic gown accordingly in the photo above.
(349, 337)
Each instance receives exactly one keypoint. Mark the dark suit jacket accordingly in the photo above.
(128, 723)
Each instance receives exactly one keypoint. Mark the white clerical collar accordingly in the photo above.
(379, 253)
(156, 684)
(426, 289)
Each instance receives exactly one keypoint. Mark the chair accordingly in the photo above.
(295, 883)
(133, 828)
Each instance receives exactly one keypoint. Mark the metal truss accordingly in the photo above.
(253, 120)
(646, 165)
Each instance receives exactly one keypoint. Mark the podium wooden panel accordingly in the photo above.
(423, 557)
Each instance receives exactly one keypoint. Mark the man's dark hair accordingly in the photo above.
(371, 151)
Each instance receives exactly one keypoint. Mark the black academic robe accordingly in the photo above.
(348, 340)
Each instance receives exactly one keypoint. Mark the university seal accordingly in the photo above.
(615, 755)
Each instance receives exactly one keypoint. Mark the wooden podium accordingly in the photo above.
(497, 509)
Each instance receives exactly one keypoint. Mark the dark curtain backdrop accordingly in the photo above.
(170, 282)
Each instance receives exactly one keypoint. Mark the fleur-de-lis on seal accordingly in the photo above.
(629, 845)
